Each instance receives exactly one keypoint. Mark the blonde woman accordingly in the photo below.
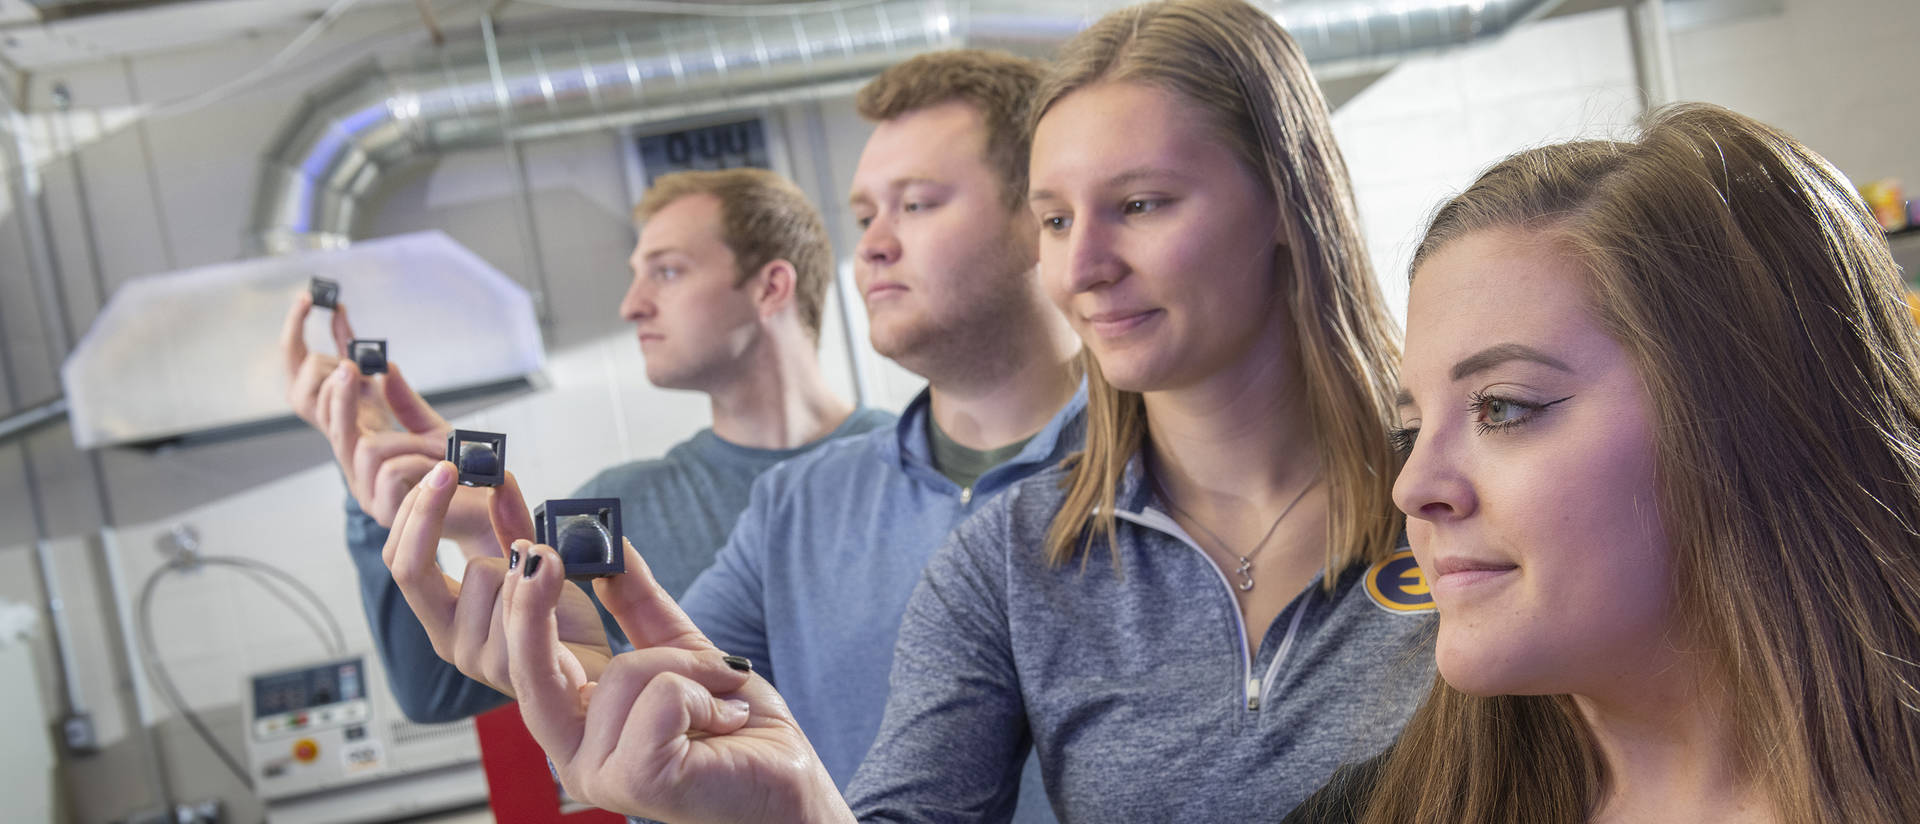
(1664, 421)
(1209, 608)
(1202, 605)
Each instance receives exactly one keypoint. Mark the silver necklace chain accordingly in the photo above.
(1245, 570)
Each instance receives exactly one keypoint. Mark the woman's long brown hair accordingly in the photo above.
(1762, 308)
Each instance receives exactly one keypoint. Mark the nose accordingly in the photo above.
(1092, 260)
(878, 245)
(638, 303)
(1433, 486)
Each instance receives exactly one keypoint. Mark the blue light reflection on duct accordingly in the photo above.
(340, 134)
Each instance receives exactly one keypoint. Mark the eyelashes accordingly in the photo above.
(1490, 413)
(1401, 439)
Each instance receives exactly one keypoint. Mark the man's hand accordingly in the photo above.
(464, 619)
(357, 414)
(669, 731)
(306, 370)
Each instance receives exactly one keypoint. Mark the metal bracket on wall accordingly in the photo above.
(32, 418)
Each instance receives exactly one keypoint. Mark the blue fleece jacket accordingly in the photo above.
(1136, 687)
(813, 582)
(676, 509)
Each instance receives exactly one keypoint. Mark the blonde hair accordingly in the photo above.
(1758, 300)
(763, 218)
(996, 84)
(1235, 64)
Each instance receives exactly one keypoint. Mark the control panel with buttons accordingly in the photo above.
(308, 728)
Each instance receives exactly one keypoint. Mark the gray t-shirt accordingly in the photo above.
(963, 464)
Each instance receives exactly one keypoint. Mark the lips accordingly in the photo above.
(883, 288)
(1453, 563)
(1455, 572)
(1113, 322)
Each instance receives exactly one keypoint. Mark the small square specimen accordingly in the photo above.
(325, 292)
(481, 457)
(370, 354)
(586, 533)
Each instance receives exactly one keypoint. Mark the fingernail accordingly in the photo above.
(513, 559)
(532, 568)
(739, 663)
(442, 472)
(736, 707)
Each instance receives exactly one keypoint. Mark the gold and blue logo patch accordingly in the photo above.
(1396, 584)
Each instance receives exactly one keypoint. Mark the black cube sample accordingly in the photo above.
(325, 292)
(369, 354)
(586, 533)
(481, 457)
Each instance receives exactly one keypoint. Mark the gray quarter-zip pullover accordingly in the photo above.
(1137, 688)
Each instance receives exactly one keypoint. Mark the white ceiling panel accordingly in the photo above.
(28, 43)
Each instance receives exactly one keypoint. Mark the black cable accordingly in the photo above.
(337, 645)
(157, 671)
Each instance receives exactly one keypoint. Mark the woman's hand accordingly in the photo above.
(672, 730)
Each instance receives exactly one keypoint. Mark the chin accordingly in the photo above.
(665, 377)
(1131, 375)
(898, 342)
(1486, 671)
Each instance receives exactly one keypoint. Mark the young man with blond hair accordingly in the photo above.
(729, 279)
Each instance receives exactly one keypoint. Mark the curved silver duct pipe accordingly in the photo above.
(350, 133)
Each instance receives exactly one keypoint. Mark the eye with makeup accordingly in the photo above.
(1489, 412)
(1496, 413)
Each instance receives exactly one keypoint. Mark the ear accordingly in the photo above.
(772, 287)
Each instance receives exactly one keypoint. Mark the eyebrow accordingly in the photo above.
(1129, 176)
(1500, 353)
(1489, 358)
(858, 198)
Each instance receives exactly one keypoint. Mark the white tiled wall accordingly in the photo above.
(1840, 75)
(1424, 131)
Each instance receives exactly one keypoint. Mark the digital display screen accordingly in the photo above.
(304, 689)
(726, 146)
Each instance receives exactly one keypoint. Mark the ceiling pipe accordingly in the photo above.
(349, 134)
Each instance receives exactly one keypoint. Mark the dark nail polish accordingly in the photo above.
(739, 663)
(533, 566)
(513, 559)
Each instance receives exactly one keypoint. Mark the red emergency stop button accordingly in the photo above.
(305, 750)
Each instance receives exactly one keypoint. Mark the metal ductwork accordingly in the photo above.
(350, 133)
